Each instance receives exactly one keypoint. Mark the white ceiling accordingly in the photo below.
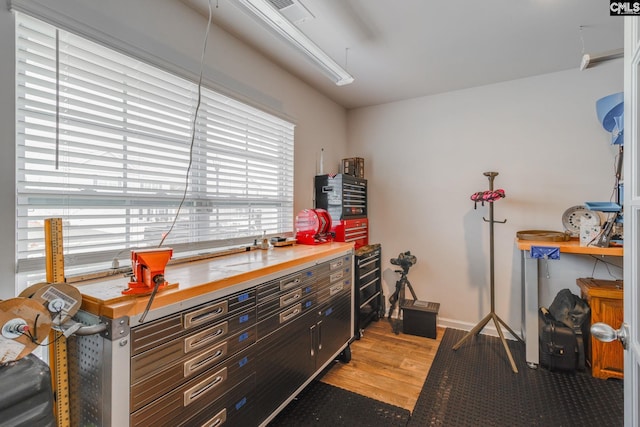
(403, 49)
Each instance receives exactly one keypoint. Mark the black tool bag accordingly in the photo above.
(571, 310)
(560, 347)
(26, 396)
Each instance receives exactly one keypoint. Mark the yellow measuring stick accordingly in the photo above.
(58, 349)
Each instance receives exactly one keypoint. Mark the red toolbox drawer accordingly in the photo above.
(352, 230)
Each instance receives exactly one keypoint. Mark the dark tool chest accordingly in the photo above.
(235, 359)
(368, 286)
(343, 196)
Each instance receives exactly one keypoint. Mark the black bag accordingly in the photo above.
(27, 396)
(571, 310)
(560, 347)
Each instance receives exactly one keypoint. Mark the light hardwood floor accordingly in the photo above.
(385, 366)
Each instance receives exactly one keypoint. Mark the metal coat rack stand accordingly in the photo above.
(492, 315)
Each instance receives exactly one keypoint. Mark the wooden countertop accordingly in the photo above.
(103, 297)
(571, 247)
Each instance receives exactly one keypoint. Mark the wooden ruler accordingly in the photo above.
(58, 350)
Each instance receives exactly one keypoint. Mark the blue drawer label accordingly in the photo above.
(309, 273)
(243, 337)
(241, 403)
(329, 311)
(308, 304)
(243, 361)
(243, 297)
(243, 318)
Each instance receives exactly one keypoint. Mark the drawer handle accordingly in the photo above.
(291, 297)
(335, 264)
(201, 338)
(217, 420)
(336, 288)
(285, 285)
(366, 263)
(202, 360)
(336, 276)
(205, 314)
(290, 313)
(200, 389)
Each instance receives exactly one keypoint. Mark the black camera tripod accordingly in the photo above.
(397, 299)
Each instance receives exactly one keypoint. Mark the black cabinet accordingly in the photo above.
(343, 196)
(304, 320)
(369, 302)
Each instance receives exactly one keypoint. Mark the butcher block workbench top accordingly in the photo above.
(104, 297)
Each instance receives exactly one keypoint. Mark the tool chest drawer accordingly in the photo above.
(154, 334)
(334, 289)
(198, 393)
(292, 296)
(152, 377)
(235, 408)
(285, 316)
(276, 289)
(368, 264)
(282, 300)
(144, 364)
(367, 291)
(335, 270)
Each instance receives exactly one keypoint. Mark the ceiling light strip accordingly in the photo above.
(591, 60)
(264, 11)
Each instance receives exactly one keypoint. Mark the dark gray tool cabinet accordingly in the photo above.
(236, 359)
(368, 286)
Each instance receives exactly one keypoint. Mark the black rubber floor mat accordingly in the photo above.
(322, 404)
(475, 386)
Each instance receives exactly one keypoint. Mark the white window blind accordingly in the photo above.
(104, 141)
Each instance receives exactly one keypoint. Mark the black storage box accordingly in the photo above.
(26, 397)
(420, 318)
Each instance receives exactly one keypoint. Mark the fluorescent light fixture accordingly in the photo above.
(267, 13)
(589, 61)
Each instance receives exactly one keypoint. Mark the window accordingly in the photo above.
(104, 141)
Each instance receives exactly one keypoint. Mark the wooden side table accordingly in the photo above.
(605, 297)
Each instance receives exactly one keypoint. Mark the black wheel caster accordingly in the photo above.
(345, 356)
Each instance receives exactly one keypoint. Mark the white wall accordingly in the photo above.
(169, 32)
(424, 158)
